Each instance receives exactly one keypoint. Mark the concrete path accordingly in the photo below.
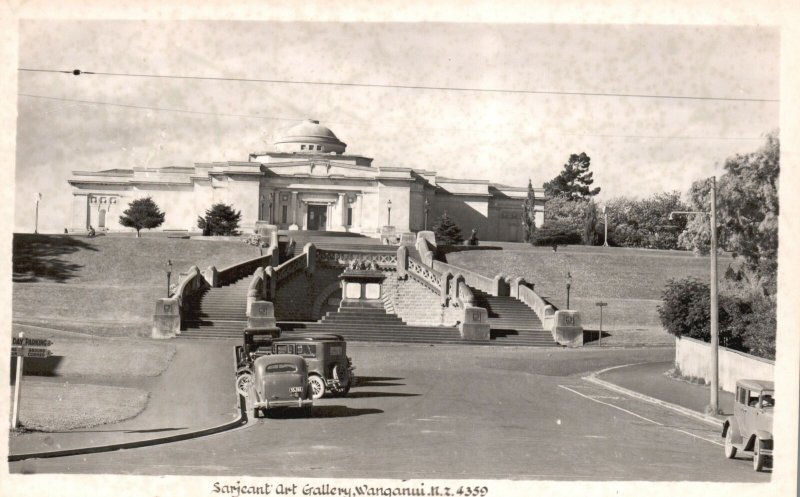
(649, 379)
(195, 392)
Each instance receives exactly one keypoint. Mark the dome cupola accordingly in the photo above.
(308, 137)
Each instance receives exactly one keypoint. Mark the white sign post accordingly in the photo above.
(600, 305)
(17, 388)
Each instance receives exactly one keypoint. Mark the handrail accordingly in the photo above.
(425, 275)
(343, 257)
(290, 267)
(234, 272)
(189, 284)
(473, 279)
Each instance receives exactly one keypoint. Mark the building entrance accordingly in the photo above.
(317, 217)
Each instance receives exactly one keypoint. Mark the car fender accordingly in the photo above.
(763, 435)
(731, 424)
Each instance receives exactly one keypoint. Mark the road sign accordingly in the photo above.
(40, 352)
(601, 304)
(31, 342)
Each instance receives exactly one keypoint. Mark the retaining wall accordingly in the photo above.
(693, 358)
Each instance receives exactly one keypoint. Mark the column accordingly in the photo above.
(343, 211)
(293, 209)
(360, 202)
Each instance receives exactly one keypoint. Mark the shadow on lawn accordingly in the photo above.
(36, 257)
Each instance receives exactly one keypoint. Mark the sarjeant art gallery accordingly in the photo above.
(307, 182)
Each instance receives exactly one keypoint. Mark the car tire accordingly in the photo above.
(317, 386)
(758, 456)
(243, 383)
(730, 449)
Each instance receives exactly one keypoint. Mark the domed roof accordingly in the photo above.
(310, 132)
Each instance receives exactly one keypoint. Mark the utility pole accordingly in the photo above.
(605, 225)
(36, 226)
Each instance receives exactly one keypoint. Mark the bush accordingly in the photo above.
(142, 214)
(746, 323)
(221, 219)
(557, 233)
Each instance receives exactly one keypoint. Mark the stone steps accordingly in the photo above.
(217, 312)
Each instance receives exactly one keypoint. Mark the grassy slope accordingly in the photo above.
(105, 285)
(629, 280)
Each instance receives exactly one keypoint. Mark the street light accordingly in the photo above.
(389, 212)
(427, 205)
(36, 226)
(713, 407)
(169, 274)
(605, 223)
(569, 284)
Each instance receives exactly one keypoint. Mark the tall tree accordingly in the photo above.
(221, 219)
(590, 236)
(747, 211)
(529, 215)
(141, 214)
(575, 181)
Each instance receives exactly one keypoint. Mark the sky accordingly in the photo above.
(638, 146)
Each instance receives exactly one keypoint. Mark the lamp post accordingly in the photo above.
(713, 407)
(569, 284)
(389, 212)
(36, 226)
(169, 274)
(605, 225)
(427, 205)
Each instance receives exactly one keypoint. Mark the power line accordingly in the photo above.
(372, 125)
(77, 72)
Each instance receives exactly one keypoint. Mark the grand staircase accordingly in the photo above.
(512, 322)
(368, 324)
(217, 312)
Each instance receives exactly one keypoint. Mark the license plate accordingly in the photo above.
(296, 389)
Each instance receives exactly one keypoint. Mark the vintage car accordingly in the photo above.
(257, 342)
(329, 368)
(280, 381)
(750, 427)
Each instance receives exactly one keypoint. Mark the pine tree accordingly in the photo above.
(574, 182)
(447, 231)
(529, 215)
(221, 219)
(142, 214)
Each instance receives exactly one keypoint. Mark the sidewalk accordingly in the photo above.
(196, 392)
(649, 379)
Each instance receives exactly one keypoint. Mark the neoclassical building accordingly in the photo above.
(306, 182)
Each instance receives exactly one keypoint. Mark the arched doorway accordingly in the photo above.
(101, 221)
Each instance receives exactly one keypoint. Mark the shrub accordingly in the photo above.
(221, 219)
(142, 214)
(557, 233)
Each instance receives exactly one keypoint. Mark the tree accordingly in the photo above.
(574, 182)
(221, 219)
(529, 215)
(747, 211)
(645, 223)
(447, 231)
(142, 214)
(590, 236)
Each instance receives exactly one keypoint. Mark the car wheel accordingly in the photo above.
(243, 383)
(255, 413)
(730, 449)
(317, 386)
(758, 456)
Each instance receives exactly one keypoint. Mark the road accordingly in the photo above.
(454, 412)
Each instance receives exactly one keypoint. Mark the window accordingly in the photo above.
(752, 399)
(284, 213)
(302, 147)
(349, 216)
(319, 147)
(281, 368)
(284, 349)
(306, 350)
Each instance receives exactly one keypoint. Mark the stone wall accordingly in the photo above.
(693, 358)
(297, 294)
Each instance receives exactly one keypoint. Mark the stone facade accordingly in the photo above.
(307, 183)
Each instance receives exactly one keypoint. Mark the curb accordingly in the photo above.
(240, 421)
(592, 378)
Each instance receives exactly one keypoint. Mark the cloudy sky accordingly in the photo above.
(638, 145)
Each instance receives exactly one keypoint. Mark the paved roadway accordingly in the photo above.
(454, 412)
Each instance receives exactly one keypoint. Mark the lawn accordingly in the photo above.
(629, 280)
(105, 285)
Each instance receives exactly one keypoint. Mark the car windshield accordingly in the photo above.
(281, 368)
